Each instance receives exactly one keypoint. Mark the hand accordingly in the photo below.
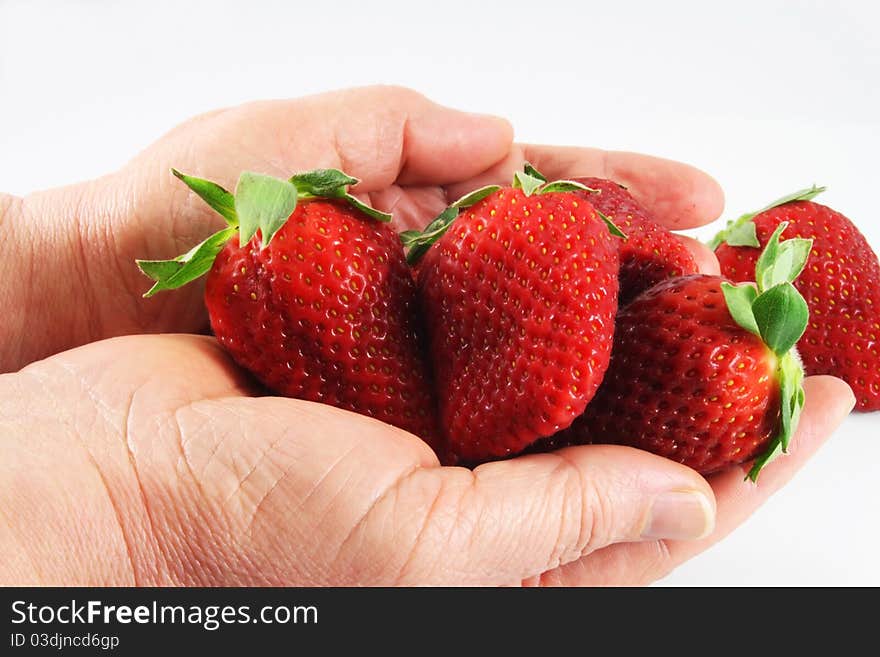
(145, 459)
(72, 250)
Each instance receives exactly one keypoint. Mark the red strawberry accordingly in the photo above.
(841, 286)
(650, 253)
(320, 304)
(703, 372)
(519, 295)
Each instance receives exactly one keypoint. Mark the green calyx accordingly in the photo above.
(741, 231)
(776, 312)
(261, 203)
(529, 180)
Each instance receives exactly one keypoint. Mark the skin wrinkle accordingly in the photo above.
(129, 551)
(108, 416)
(221, 519)
(427, 520)
(659, 564)
(361, 523)
(258, 462)
(403, 141)
(196, 479)
(341, 158)
(484, 516)
(560, 551)
(12, 534)
(340, 492)
(490, 523)
(327, 472)
(14, 335)
(43, 381)
(152, 536)
(81, 247)
(185, 573)
(132, 297)
(258, 507)
(181, 442)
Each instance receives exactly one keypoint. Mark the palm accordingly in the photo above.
(217, 485)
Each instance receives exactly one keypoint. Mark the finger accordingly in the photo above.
(705, 258)
(380, 135)
(509, 520)
(679, 195)
(442, 146)
(828, 401)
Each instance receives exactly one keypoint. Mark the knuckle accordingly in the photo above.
(589, 515)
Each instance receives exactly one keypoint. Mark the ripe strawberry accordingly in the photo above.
(651, 253)
(841, 286)
(704, 372)
(320, 304)
(519, 295)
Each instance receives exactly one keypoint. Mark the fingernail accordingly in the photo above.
(680, 514)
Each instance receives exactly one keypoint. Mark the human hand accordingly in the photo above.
(503, 523)
(73, 249)
(144, 460)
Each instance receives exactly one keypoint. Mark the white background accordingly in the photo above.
(767, 96)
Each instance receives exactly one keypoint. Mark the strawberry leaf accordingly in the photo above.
(263, 203)
(572, 186)
(806, 194)
(368, 210)
(792, 259)
(781, 315)
(418, 242)
(174, 273)
(764, 268)
(325, 183)
(528, 184)
(743, 234)
(791, 377)
(475, 196)
(737, 233)
(212, 194)
(565, 186)
(333, 183)
(533, 172)
(781, 262)
(612, 228)
(774, 449)
(739, 300)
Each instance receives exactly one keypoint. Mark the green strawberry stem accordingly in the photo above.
(529, 180)
(260, 203)
(741, 231)
(776, 312)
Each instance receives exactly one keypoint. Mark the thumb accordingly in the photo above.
(519, 518)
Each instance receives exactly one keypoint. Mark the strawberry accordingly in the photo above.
(841, 286)
(651, 253)
(314, 297)
(519, 294)
(704, 372)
